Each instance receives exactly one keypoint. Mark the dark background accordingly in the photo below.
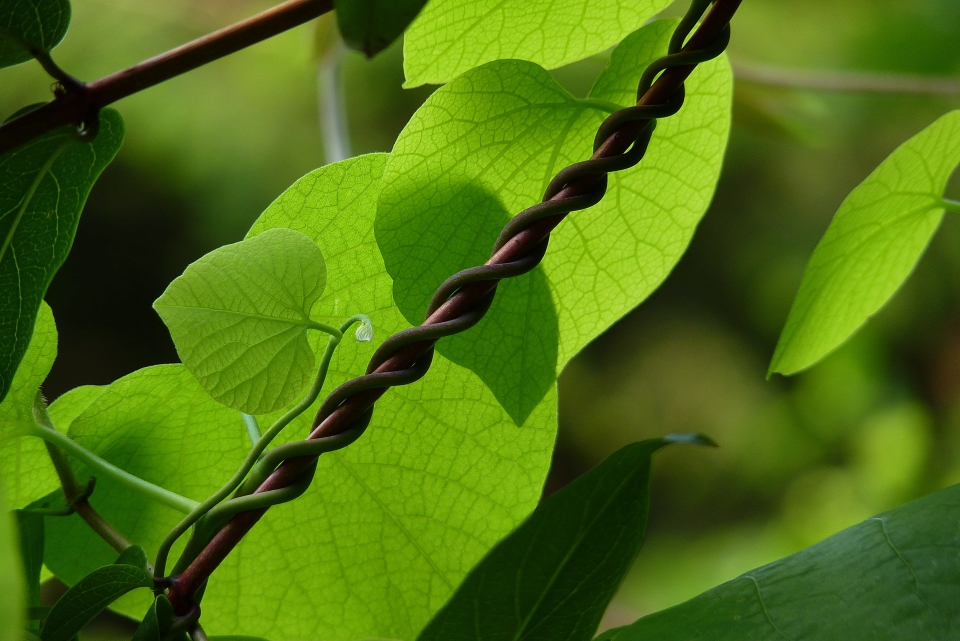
(874, 425)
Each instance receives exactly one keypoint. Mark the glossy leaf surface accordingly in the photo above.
(239, 317)
(43, 186)
(484, 147)
(31, 24)
(871, 246)
(91, 596)
(453, 36)
(553, 577)
(895, 576)
(25, 469)
(371, 26)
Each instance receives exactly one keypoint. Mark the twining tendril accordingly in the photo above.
(213, 509)
(463, 299)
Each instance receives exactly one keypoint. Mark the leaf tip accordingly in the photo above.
(691, 439)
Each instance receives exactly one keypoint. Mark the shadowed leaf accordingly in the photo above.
(91, 596)
(43, 186)
(483, 148)
(371, 26)
(553, 577)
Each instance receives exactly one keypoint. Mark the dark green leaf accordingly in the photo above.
(371, 26)
(30, 528)
(43, 187)
(157, 622)
(31, 24)
(89, 597)
(38, 612)
(894, 577)
(553, 577)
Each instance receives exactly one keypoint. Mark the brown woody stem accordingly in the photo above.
(81, 102)
(197, 573)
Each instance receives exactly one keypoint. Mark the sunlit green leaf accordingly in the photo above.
(13, 599)
(25, 469)
(43, 186)
(91, 596)
(483, 148)
(553, 577)
(159, 424)
(70, 405)
(239, 317)
(895, 576)
(871, 246)
(31, 24)
(371, 25)
(452, 36)
(391, 525)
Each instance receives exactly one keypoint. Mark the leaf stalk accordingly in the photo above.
(43, 428)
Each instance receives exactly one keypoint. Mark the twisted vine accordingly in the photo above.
(463, 299)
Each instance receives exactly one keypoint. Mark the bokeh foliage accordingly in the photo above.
(874, 425)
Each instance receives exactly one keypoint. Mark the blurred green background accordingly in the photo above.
(873, 426)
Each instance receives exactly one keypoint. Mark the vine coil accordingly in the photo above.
(460, 302)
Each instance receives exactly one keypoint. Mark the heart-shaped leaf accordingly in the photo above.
(453, 36)
(239, 317)
(483, 148)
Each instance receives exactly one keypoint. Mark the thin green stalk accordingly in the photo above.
(103, 528)
(253, 428)
(253, 456)
(111, 471)
(951, 205)
(71, 492)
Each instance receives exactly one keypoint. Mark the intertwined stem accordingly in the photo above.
(468, 300)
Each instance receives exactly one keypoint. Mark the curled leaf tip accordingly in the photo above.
(365, 331)
(691, 439)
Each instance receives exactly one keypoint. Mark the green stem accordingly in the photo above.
(951, 205)
(329, 329)
(71, 492)
(111, 471)
(217, 497)
(253, 428)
